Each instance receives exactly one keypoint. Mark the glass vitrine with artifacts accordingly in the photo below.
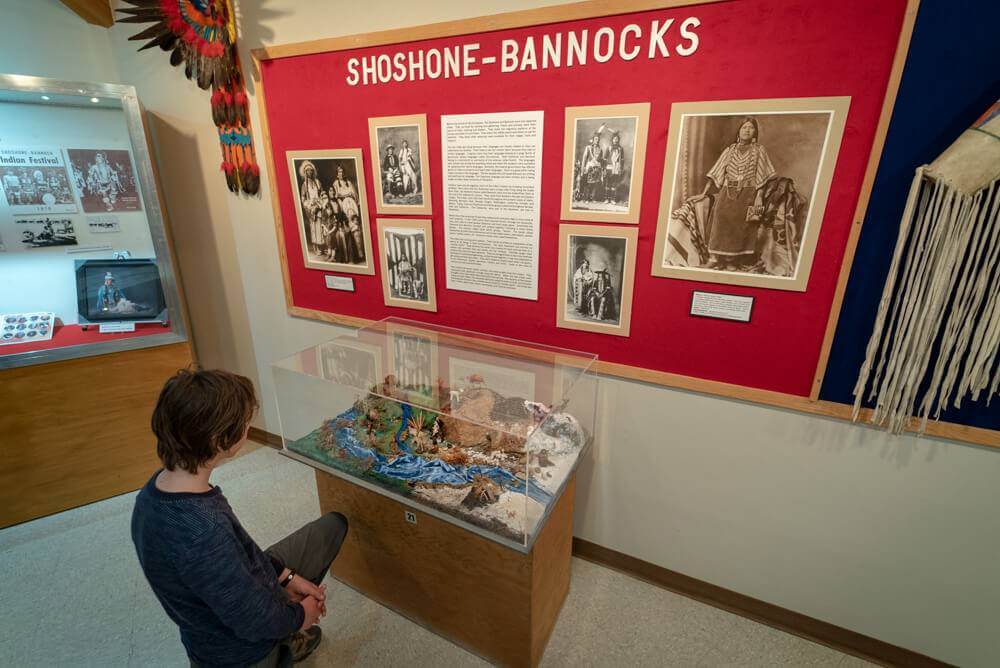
(85, 265)
(481, 431)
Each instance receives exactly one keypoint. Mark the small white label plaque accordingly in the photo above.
(115, 327)
(724, 307)
(411, 517)
(344, 283)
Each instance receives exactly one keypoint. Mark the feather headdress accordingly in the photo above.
(201, 36)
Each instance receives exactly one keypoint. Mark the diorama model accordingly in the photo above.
(493, 461)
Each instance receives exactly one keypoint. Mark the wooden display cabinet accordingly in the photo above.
(497, 602)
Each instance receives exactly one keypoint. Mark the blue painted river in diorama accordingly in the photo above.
(411, 467)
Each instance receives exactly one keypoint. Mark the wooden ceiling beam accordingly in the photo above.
(94, 12)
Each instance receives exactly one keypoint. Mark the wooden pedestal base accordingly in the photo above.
(497, 602)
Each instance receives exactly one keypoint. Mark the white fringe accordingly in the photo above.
(940, 305)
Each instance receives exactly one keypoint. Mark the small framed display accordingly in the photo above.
(407, 251)
(604, 155)
(332, 209)
(596, 274)
(399, 164)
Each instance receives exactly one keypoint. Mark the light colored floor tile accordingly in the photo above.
(80, 599)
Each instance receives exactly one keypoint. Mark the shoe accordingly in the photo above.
(304, 642)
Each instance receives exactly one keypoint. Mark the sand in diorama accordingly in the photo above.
(490, 460)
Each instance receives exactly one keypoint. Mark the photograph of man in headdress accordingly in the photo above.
(741, 197)
(602, 170)
(331, 212)
(112, 300)
(104, 180)
(402, 181)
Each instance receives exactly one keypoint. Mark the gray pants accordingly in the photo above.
(309, 551)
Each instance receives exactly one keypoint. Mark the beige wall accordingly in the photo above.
(43, 38)
(892, 537)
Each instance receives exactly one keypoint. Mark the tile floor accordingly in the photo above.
(73, 595)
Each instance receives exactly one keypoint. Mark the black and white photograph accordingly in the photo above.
(399, 164)
(35, 180)
(747, 189)
(407, 263)
(597, 266)
(104, 179)
(605, 154)
(332, 210)
(45, 232)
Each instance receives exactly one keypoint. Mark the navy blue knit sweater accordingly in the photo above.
(211, 578)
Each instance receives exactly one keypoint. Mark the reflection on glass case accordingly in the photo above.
(477, 430)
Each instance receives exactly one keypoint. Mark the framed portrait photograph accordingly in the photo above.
(596, 274)
(407, 252)
(332, 209)
(399, 164)
(604, 154)
(745, 185)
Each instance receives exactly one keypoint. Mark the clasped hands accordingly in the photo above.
(311, 597)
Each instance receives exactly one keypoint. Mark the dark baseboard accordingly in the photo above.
(817, 631)
(264, 437)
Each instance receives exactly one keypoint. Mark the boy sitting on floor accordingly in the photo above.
(235, 604)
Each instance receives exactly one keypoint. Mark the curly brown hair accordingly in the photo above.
(199, 414)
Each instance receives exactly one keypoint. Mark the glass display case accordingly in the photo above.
(85, 265)
(481, 431)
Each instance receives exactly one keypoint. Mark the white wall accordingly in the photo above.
(892, 537)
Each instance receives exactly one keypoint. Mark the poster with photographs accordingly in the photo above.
(104, 179)
(45, 232)
(604, 155)
(332, 209)
(596, 274)
(35, 180)
(407, 252)
(399, 164)
(745, 186)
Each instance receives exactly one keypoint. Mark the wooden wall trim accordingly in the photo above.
(810, 628)
(265, 437)
(94, 12)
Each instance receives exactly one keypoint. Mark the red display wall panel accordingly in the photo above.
(748, 49)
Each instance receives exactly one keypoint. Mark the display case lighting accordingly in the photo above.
(94, 100)
(46, 98)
